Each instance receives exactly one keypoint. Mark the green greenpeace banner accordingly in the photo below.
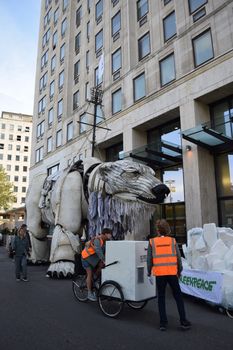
(202, 284)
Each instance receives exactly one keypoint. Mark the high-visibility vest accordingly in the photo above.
(164, 256)
(90, 248)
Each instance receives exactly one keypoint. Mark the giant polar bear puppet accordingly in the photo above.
(120, 195)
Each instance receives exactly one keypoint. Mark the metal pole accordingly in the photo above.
(94, 129)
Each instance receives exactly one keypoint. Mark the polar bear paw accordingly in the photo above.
(61, 269)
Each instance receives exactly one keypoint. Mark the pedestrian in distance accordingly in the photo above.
(21, 250)
(93, 258)
(164, 262)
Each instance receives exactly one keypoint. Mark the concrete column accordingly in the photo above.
(133, 138)
(199, 174)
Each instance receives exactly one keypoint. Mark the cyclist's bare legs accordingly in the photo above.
(89, 279)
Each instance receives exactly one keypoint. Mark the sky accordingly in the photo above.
(19, 30)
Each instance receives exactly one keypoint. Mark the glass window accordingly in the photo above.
(60, 108)
(39, 156)
(98, 79)
(61, 80)
(16, 167)
(116, 23)
(82, 119)
(58, 138)
(99, 10)
(49, 144)
(224, 175)
(169, 26)
(87, 92)
(17, 147)
(78, 16)
(203, 48)
(41, 105)
(53, 63)
(51, 89)
(99, 40)
(88, 30)
(75, 100)
(142, 8)
(55, 16)
(55, 36)
(144, 46)
(116, 60)
(65, 4)
(9, 157)
(167, 70)
(10, 147)
(87, 59)
(50, 116)
(99, 114)
(196, 4)
(116, 101)
(24, 178)
(165, 2)
(63, 27)
(8, 167)
(62, 52)
(25, 158)
(53, 169)
(16, 178)
(139, 87)
(17, 158)
(76, 69)
(77, 42)
(70, 131)
(23, 189)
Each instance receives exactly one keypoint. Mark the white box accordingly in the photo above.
(131, 270)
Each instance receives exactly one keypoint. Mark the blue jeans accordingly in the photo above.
(173, 282)
(21, 266)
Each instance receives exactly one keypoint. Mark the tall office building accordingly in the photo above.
(15, 148)
(165, 68)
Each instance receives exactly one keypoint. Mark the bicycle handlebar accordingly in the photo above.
(113, 263)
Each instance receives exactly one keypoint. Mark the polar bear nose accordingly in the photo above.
(160, 192)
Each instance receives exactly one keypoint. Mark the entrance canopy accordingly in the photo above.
(206, 137)
(158, 155)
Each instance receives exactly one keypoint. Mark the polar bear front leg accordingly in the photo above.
(64, 246)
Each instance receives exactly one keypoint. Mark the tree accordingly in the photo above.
(6, 192)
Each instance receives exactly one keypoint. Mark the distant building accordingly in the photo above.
(167, 88)
(15, 149)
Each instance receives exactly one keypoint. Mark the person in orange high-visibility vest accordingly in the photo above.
(164, 262)
(93, 258)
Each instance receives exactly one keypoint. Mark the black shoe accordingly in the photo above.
(185, 325)
(162, 327)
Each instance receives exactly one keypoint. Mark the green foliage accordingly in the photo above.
(6, 191)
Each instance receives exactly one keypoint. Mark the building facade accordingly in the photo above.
(165, 70)
(15, 150)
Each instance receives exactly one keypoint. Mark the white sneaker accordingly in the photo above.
(91, 296)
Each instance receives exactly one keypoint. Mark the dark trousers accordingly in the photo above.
(173, 282)
(21, 265)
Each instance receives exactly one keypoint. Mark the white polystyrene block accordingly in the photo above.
(200, 263)
(210, 234)
(226, 235)
(184, 249)
(219, 248)
(192, 236)
(218, 265)
(131, 270)
(185, 263)
(200, 244)
(228, 259)
(210, 258)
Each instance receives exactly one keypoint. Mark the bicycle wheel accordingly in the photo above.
(137, 305)
(110, 298)
(79, 288)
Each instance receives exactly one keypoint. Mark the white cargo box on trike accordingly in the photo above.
(130, 272)
(124, 278)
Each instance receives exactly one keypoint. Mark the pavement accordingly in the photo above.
(42, 314)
